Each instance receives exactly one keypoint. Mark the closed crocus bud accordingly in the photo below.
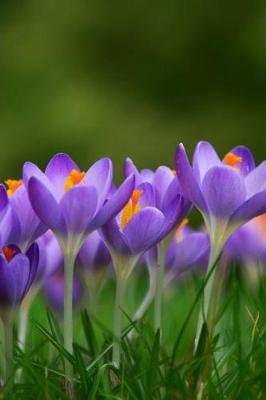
(17, 271)
(53, 291)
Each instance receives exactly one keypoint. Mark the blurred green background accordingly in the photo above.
(129, 79)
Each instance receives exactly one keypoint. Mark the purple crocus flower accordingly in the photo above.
(6, 218)
(53, 291)
(17, 271)
(26, 226)
(74, 203)
(227, 192)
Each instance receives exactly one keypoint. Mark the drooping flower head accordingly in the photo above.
(17, 271)
(73, 203)
(228, 192)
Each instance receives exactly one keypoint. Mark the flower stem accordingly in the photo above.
(69, 261)
(8, 349)
(159, 288)
(117, 322)
(207, 293)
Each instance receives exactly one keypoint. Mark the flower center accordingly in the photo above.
(232, 160)
(180, 227)
(74, 178)
(9, 253)
(12, 186)
(131, 208)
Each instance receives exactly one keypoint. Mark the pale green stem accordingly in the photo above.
(207, 293)
(8, 349)
(69, 260)
(159, 288)
(117, 321)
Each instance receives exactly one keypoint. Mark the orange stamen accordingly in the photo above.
(74, 178)
(178, 232)
(12, 186)
(131, 208)
(8, 253)
(232, 160)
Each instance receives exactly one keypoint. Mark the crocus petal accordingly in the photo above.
(33, 256)
(163, 177)
(113, 206)
(251, 208)
(100, 176)
(256, 179)
(31, 170)
(58, 169)
(114, 237)
(204, 158)
(131, 169)
(7, 285)
(247, 164)
(20, 267)
(174, 213)
(9, 227)
(46, 206)
(78, 207)
(143, 230)
(3, 198)
(30, 225)
(189, 184)
(148, 196)
(224, 191)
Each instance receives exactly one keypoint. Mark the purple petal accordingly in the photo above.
(33, 256)
(174, 213)
(100, 177)
(224, 191)
(187, 181)
(251, 208)
(131, 169)
(20, 270)
(31, 170)
(7, 284)
(163, 177)
(256, 179)
(9, 227)
(247, 164)
(46, 206)
(143, 230)
(3, 198)
(94, 252)
(58, 169)
(114, 237)
(78, 207)
(204, 158)
(113, 206)
(148, 196)
(30, 225)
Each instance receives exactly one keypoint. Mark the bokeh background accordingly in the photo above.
(124, 79)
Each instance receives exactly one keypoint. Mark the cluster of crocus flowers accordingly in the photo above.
(53, 220)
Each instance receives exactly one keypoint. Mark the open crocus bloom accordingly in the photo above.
(17, 271)
(26, 227)
(168, 196)
(227, 192)
(74, 203)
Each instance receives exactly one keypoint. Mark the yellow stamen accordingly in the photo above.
(232, 160)
(131, 208)
(12, 186)
(74, 178)
(8, 253)
(178, 232)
